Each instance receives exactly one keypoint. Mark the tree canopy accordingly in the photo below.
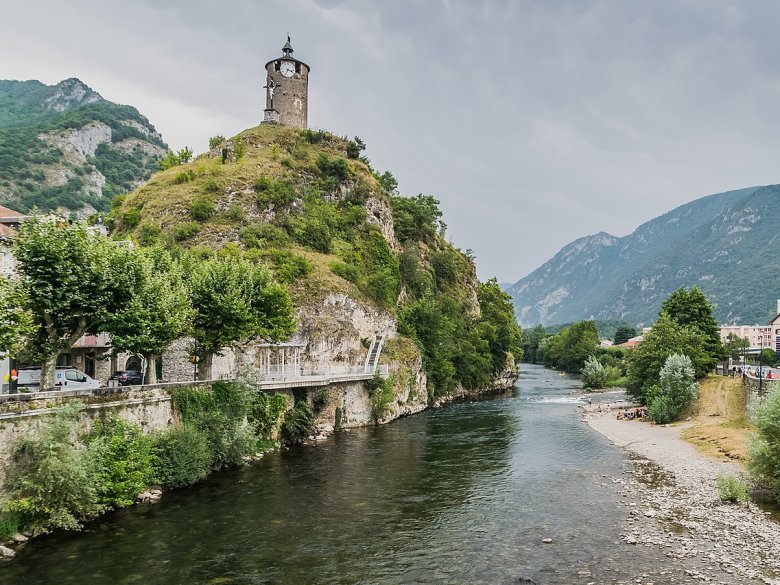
(691, 308)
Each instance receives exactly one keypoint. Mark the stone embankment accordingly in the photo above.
(673, 505)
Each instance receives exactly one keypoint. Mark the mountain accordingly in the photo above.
(64, 147)
(726, 244)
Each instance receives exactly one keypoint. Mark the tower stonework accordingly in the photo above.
(287, 90)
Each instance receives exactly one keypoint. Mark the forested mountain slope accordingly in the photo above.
(64, 147)
(722, 243)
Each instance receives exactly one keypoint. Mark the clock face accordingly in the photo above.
(287, 68)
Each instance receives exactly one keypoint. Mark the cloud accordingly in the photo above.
(533, 122)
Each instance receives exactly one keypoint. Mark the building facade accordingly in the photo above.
(759, 337)
(287, 90)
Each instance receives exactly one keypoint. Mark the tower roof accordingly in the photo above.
(287, 48)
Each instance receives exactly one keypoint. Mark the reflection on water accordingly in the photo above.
(462, 494)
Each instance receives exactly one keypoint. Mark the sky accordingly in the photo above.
(533, 122)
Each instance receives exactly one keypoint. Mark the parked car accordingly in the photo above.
(65, 378)
(128, 377)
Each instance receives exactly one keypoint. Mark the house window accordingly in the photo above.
(277, 65)
(297, 67)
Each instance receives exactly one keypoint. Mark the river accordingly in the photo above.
(462, 494)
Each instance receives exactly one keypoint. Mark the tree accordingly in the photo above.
(764, 460)
(676, 391)
(355, 147)
(691, 308)
(736, 347)
(767, 357)
(184, 155)
(158, 311)
(576, 344)
(504, 336)
(531, 341)
(594, 375)
(234, 302)
(171, 159)
(624, 333)
(666, 338)
(416, 219)
(17, 322)
(73, 283)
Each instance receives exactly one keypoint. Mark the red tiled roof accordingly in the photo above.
(6, 232)
(6, 212)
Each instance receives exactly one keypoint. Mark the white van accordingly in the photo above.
(65, 378)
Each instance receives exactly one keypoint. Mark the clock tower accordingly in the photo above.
(287, 90)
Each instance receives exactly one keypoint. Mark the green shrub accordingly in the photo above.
(333, 167)
(184, 177)
(185, 230)
(266, 414)
(263, 235)
(764, 460)
(276, 194)
(732, 489)
(298, 423)
(131, 217)
(212, 186)
(236, 213)
(148, 234)
(676, 390)
(52, 481)
(126, 460)
(183, 456)
(594, 375)
(202, 209)
(262, 184)
(345, 271)
(381, 395)
(216, 141)
(290, 267)
(9, 524)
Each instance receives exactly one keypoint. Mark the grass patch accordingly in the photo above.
(721, 426)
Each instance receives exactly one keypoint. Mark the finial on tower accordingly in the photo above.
(287, 49)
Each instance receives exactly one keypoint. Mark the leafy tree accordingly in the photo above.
(216, 141)
(17, 323)
(171, 159)
(388, 182)
(235, 301)
(239, 149)
(624, 333)
(570, 348)
(691, 308)
(416, 219)
(499, 326)
(355, 147)
(736, 347)
(531, 340)
(767, 357)
(666, 338)
(676, 391)
(594, 375)
(158, 311)
(184, 155)
(73, 285)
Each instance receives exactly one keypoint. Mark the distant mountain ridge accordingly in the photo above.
(726, 244)
(64, 147)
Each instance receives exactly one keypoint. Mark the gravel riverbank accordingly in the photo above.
(670, 491)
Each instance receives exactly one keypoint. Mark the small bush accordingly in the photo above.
(202, 209)
(290, 267)
(263, 236)
(732, 489)
(345, 271)
(185, 230)
(125, 458)
(216, 141)
(266, 414)
(276, 194)
(380, 391)
(298, 423)
(132, 218)
(212, 186)
(183, 456)
(148, 234)
(236, 213)
(184, 177)
(335, 168)
(594, 375)
(764, 460)
(676, 390)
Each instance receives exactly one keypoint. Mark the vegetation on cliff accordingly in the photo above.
(36, 169)
(308, 206)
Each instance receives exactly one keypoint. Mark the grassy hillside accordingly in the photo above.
(44, 164)
(310, 207)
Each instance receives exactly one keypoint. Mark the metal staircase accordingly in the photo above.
(372, 359)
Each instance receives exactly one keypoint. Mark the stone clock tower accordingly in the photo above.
(287, 90)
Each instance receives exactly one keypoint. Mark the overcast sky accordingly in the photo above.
(534, 122)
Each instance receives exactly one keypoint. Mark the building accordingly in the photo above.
(287, 90)
(759, 337)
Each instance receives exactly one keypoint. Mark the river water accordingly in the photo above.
(463, 495)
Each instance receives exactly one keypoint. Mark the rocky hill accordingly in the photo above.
(65, 148)
(358, 258)
(722, 243)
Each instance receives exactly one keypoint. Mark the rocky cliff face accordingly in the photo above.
(719, 243)
(72, 150)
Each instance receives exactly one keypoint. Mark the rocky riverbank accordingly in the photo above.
(670, 492)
